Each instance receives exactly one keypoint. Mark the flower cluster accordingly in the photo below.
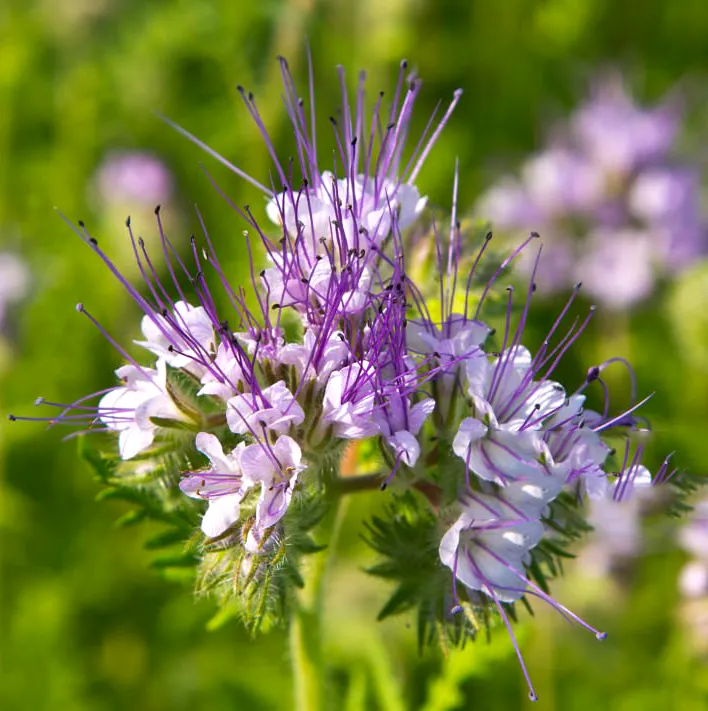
(613, 206)
(693, 578)
(490, 456)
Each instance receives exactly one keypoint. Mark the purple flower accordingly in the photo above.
(132, 177)
(130, 408)
(607, 195)
(617, 268)
(620, 135)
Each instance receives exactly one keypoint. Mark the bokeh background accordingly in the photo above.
(86, 623)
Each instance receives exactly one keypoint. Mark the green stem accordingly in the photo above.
(352, 484)
(307, 658)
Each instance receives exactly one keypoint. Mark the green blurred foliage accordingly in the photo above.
(86, 625)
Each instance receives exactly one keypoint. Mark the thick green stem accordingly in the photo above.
(309, 672)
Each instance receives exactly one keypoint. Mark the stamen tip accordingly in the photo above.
(80, 307)
(12, 418)
(601, 636)
(39, 401)
(454, 610)
(533, 696)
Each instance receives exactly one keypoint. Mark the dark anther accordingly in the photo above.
(488, 236)
(262, 273)
(240, 89)
(275, 306)
(341, 337)
(362, 253)
(404, 64)
(579, 284)
(80, 307)
(250, 96)
(81, 223)
(305, 182)
(535, 235)
(353, 141)
(593, 374)
(93, 241)
(192, 239)
(157, 210)
(436, 354)
(405, 322)
(381, 93)
(301, 102)
(127, 221)
(510, 289)
(390, 126)
(165, 313)
(383, 486)
(171, 348)
(533, 287)
(39, 401)
(399, 287)
(304, 280)
(333, 120)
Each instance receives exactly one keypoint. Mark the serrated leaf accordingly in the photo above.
(183, 560)
(403, 598)
(165, 538)
(131, 518)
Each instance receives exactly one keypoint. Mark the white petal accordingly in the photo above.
(134, 440)
(406, 446)
(418, 413)
(210, 446)
(470, 431)
(222, 513)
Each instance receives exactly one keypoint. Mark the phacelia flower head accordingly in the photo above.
(485, 454)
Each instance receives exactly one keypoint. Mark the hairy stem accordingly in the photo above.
(307, 659)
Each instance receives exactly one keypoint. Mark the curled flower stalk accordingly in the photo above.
(236, 419)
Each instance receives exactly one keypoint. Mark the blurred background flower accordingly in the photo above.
(616, 208)
(85, 624)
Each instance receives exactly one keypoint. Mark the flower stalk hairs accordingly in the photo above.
(230, 424)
